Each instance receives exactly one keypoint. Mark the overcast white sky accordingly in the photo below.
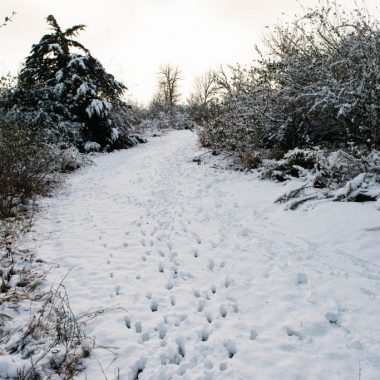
(133, 37)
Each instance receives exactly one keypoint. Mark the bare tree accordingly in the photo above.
(206, 88)
(168, 86)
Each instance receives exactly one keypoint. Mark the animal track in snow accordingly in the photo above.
(162, 330)
(332, 318)
(169, 284)
(208, 317)
(204, 334)
(181, 346)
(138, 327)
(201, 305)
(223, 311)
(209, 365)
(301, 279)
(231, 348)
(290, 332)
(227, 282)
(253, 334)
(154, 305)
(223, 366)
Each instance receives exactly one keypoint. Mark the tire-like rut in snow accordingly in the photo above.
(206, 284)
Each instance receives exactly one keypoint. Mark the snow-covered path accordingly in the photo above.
(213, 280)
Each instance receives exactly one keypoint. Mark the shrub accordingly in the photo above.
(315, 84)
(26, 166)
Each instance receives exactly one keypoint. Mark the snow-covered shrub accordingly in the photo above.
(26, 166)
(69, 159)
(315, 84)
(336, 175)
(154, 122)
(295, 164)
(126, 120)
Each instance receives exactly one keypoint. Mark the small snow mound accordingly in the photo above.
(91, 146)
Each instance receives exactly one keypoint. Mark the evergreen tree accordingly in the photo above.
(67, 91)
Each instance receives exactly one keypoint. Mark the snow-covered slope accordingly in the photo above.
(212, 279)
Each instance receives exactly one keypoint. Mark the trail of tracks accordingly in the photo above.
(213, 280)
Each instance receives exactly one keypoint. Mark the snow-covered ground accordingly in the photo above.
(209, 278)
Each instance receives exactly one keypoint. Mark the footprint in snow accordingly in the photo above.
(162, 330)
(332, 318)
(169, 284)
(138, 327)
(253, 334)
(208, 317)
(227, 282)
(154, 305)
(301, 279)
(290, 332)
(201, 305)
(230, 346)
(223, 311)
(223, 366)
(204, 334)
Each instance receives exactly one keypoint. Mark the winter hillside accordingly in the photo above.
(205, 276)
